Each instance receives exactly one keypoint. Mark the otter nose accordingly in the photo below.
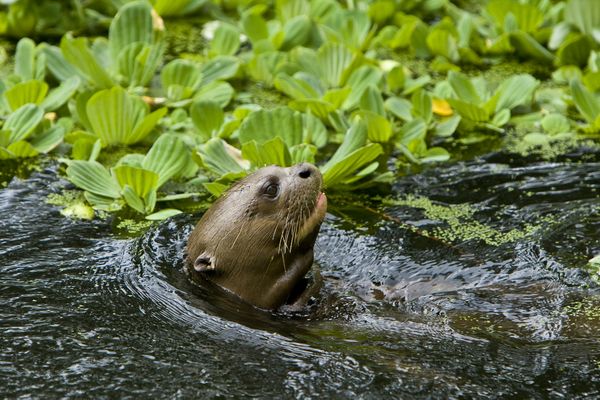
(305, 170)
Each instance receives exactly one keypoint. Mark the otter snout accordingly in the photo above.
(307, 171)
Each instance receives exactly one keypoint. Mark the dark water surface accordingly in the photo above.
(494, 302)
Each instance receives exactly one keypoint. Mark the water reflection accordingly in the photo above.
(406, 311)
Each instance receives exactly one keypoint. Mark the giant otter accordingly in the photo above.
(257, 239)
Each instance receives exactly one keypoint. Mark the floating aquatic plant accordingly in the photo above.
(134, 180)
(354, 85)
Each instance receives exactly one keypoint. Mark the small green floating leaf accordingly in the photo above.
(586, 102)
(226, 40)
(516, 90)
(371, 100)
(25, 59)
(463, 88)
(133, 23)
(118, 117)
(22, 122)
(208, 117)
(219, 68)
(22, 149)
(91, 176)
(32, 91)
(140, 180)
(48, 140)
(167, 157)
(78, 54)
(216, 158)
(291, 126)
(163, 214)
(61, 94)
(271, 152)
(555, 124)
(217, 91)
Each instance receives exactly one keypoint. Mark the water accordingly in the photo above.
(500, 305)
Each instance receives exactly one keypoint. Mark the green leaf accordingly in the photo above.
(216, 158)
(320, 108)
(57, 64)
(22, 149)
(334, 61)
(208, 117)
(167, 157)
(226, 40)
(22, 122)
(219, 68)
(447, 127)
(527, 45)
(48, 140)
(435, 154)
(132, 24)
(372, 101)
(176, 8)
(527, 17)
(347, 167)
(271, 152)
(133, 200)
(103, 203)
(61, 94)
(293, 127)
(443, 43)
(415, 129)
(180, 73)
(91, 176)
(303, 152)
(463, 88)
(574, 51)
(400, 107)
(140, 180)
(25, 59)
(501, 118)
(32, 91)
(422, 105)
(296, 31)
(379, 129)
(295, 88)
(586, 102)
(555, 124)
(217, 91)
(355, 138)
(117, 117)
(514, 91)
(255, 27)
(163, 214)
(137, 63)
(144, 126)
(264, 67)
(362, 78)
(396, 78)
(77, 53)
(585, 15)
(469, 111)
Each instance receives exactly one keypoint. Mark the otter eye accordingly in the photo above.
(271, 189)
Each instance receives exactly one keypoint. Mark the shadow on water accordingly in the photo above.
(474, 285)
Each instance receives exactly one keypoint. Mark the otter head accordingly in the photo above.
(257, 239)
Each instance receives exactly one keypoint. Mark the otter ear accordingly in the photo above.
(204, 263)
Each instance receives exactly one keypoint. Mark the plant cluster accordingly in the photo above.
(349, 100)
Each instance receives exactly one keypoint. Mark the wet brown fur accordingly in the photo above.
(260, 248)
